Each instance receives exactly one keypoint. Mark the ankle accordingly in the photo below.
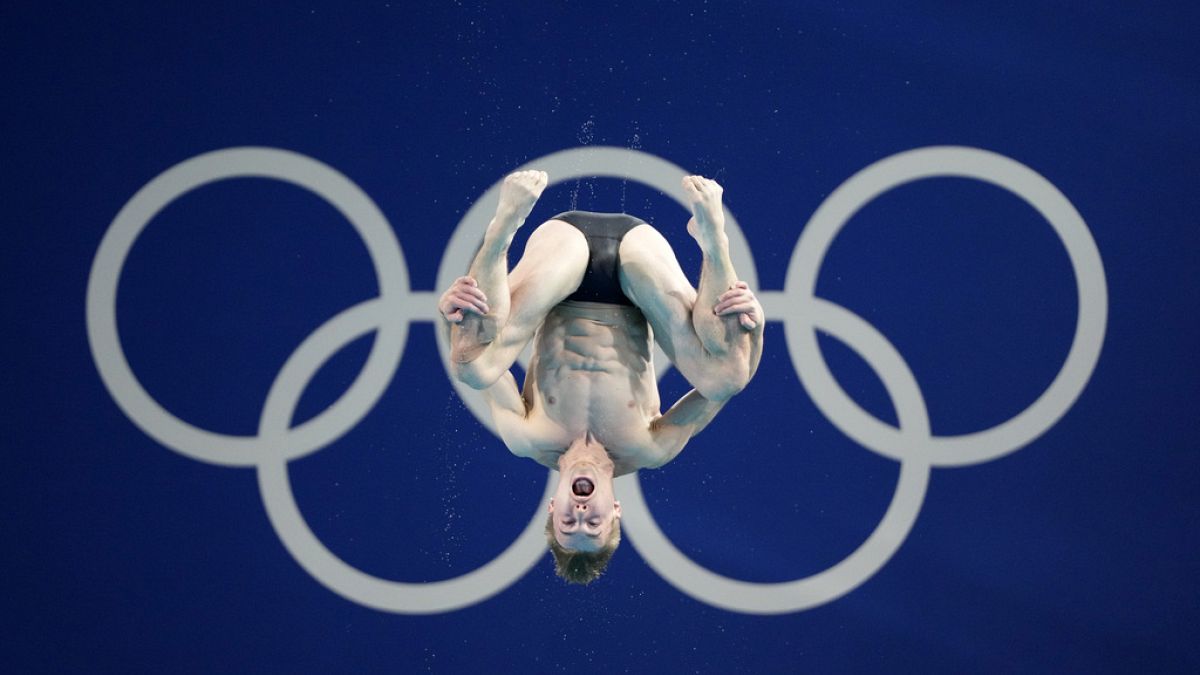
(714, 245)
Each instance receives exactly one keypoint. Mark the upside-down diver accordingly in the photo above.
(592, 290)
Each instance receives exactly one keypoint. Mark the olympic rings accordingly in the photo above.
(912, 443)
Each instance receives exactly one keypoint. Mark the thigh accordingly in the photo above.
(652, 278)
(549, 270)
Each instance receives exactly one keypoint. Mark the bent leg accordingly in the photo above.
(549, 270)
(471, 331)
(715, 353)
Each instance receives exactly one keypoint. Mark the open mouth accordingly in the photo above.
(582, 487)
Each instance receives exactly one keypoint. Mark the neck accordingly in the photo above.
(586, 451)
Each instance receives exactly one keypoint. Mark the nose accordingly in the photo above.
(580, 506)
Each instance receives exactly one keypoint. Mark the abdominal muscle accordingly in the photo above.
(591, 372)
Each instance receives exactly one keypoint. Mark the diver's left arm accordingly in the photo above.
(509, 413)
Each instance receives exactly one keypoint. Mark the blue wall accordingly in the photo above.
(1067, 546)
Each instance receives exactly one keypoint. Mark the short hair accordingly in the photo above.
(582, 567)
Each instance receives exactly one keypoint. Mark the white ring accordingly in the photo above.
(892, 172)
(843, 577)
(105, 342)
(314, 556)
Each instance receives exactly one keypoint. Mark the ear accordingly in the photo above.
(617, 509)
(550, 508)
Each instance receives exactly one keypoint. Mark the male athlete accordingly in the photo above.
(590, 290)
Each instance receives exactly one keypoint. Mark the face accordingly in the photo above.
(584, 508)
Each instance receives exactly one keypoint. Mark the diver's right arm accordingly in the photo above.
(533, 436)
(510, 413)
(671, 431)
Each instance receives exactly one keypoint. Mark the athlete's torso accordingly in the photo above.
(591, 369)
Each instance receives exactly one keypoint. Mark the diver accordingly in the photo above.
(592, 290)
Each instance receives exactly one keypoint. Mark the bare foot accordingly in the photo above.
(708, 216)
(518, 194)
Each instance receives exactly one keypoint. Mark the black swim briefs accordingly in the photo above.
(604, 232)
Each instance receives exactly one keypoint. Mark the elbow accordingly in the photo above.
(726, 385)
(475, 375)
(721, 393)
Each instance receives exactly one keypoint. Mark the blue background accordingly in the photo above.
(1076, 554)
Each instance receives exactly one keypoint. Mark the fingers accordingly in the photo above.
(454, 309)
(463, 295)
(470, 291)
(740, 300)
(468, 285)
(739, 295)
(736, 308)
(468, 302)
